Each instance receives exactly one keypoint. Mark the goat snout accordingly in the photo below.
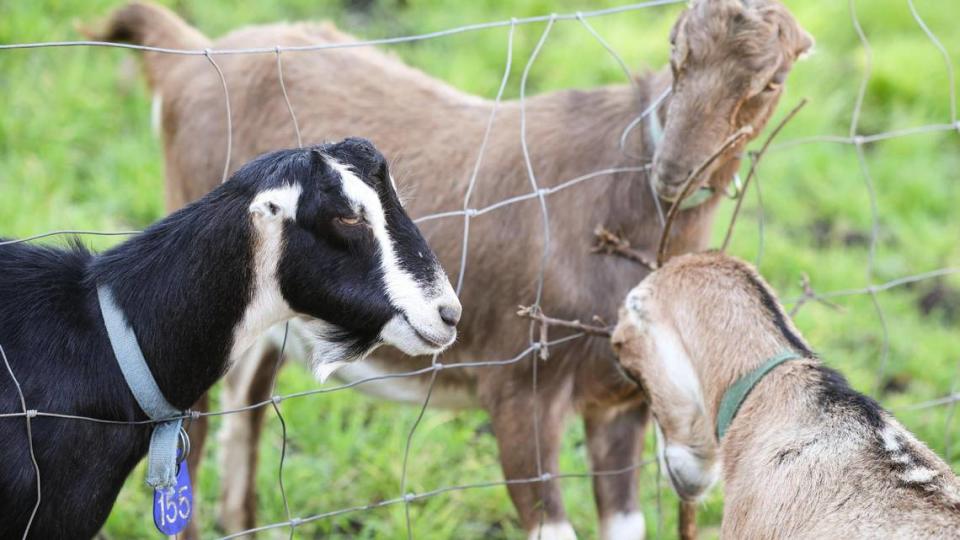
(450, 314)
(668, 178)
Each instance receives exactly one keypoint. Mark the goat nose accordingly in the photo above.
(450, 315)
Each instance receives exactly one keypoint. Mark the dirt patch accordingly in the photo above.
(940, 300)
(897, 383)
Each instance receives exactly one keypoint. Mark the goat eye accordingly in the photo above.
(353, 220)
(776, 82)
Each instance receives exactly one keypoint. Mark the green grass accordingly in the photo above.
(76, 151)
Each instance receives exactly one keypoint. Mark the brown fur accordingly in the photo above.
(434, 131)
(806, 456)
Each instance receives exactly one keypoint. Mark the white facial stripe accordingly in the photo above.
(418, 327)
(401, 287)
(676, 364)
(269, 209)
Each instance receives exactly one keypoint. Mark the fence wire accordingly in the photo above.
(538, 342)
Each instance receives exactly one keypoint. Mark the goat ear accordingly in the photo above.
(678, 35)
(805, 45)
(265, 209)
(277, 203)
(318, 161)
(795, 39)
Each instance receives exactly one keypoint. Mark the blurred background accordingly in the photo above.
(77, 152)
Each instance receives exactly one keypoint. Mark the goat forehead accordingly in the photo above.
(359, 194)
(730, 31)
(411, 253)
(408, 264)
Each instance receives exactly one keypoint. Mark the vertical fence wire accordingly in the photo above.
(28, 416)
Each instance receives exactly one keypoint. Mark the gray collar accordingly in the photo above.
(162, 457)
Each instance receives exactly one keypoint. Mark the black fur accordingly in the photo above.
(834, 395)
(773, 308)
(372, 169)
(184, 285)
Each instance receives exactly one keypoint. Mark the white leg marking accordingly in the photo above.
(622, 526)
(553, 531)
(235, 439)
(156, 114)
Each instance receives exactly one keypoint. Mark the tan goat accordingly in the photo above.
(734, 388)
(729, 62)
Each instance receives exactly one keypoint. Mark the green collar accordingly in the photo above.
(734, 397)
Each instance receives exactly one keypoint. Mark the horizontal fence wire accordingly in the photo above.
(537, 342)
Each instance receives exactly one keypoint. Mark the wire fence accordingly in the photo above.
(537, 341)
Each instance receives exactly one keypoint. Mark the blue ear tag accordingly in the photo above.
(173, 506)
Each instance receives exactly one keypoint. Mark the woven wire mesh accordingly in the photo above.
(858, 141)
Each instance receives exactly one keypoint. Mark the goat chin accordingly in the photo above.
(690, 475)
(330, 355)
(402, 334)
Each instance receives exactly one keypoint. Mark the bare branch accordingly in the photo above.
(536, 314)
(611, 243)
(688, 187)
(810, 294)
(754, 162)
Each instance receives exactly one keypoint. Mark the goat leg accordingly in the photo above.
(687, 522)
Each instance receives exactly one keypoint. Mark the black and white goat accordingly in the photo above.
(316, 232)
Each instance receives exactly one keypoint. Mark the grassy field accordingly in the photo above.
(77, 152)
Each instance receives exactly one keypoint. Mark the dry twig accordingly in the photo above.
(611, 243)
(810, 294)
(754, 162)
(534, 313)
(688, 187)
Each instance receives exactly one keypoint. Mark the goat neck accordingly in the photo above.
(184, 285)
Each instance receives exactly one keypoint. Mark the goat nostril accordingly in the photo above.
(450, 315)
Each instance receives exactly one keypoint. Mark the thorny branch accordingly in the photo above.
(611, 243)
(536, 314)
(688, 186)
(755, 158)
(810, 294)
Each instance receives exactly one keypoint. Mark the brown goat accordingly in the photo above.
(805, 456)
(728, 65)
